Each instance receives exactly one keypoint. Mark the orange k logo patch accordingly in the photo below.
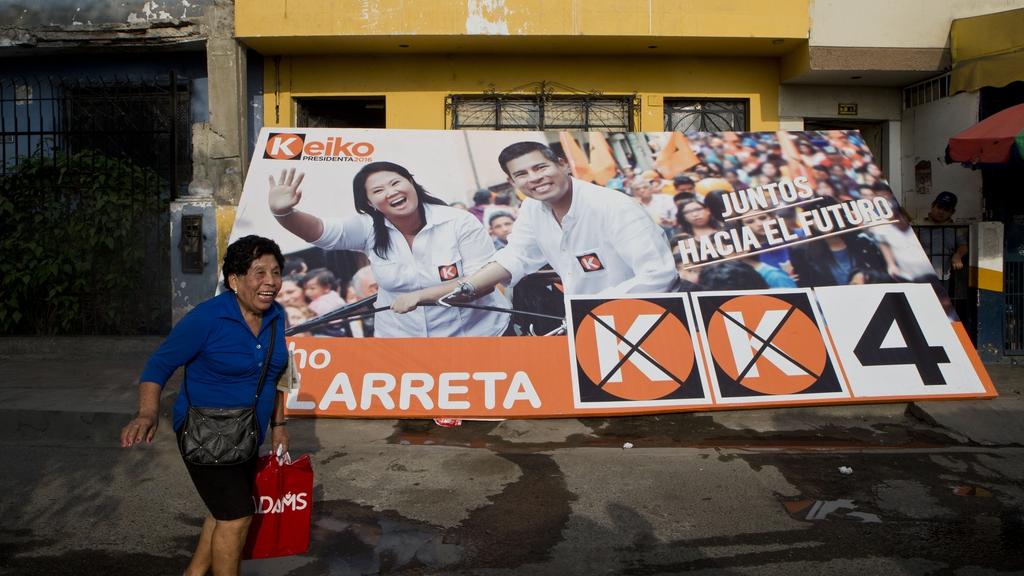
(284, 146)
(448, 272)
(640, 351)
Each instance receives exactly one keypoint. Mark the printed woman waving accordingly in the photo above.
(413, 240)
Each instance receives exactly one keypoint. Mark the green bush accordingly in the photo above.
(77, 233)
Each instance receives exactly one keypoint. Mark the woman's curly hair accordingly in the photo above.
(242, 252)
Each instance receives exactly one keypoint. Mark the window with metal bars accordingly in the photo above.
(542, 112)
(147, 121)
(688, 115)
(927, 91)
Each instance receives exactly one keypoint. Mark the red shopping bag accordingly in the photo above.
(284, 501)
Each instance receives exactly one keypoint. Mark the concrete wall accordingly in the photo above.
(823, 102)
(926, 132)
(31, 14)
(894, 23)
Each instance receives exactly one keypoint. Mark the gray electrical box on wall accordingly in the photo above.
(191, 244)
(193, 253)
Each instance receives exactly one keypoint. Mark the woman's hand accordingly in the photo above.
(278, 438)
(405, 302)
(284, 194)
(142, 427)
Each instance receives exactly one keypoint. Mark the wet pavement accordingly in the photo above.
(883, 489)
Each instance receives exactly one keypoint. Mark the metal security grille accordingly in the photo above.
(1013, 275)
(147, 121)
(84, 143)
(542, 110)
(939, 243)
(705, 115)
(926, 91)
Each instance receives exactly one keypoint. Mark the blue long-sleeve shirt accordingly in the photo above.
(222, 357)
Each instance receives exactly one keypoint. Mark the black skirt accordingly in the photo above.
(226, 490)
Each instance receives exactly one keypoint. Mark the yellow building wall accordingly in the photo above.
(415, 87)
(667, 18)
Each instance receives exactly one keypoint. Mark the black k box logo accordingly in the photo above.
(590, 262)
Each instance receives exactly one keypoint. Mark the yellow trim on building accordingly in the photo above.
(415, 87)
(796, 63)
(257, 20)
(225, 222)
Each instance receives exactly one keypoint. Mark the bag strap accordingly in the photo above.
(266, 362)
(263, 374)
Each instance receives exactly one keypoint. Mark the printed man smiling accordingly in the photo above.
(598, 240)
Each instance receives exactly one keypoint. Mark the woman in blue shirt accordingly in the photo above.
(222, 343)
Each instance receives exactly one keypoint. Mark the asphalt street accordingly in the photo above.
(922, 488)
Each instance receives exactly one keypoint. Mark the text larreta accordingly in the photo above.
(452, 390)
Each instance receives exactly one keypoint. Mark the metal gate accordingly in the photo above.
(99, 159)
(1013, 275)
(939, 243)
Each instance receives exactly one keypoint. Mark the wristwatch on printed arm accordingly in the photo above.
(464, 292)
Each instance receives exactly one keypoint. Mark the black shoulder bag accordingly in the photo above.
(223, 436)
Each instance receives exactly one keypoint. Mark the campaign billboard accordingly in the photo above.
(479, 274)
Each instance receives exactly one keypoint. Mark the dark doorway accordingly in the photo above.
(362, 112)
(999, 184)
(1003, 203)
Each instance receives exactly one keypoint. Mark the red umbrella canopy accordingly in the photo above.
(991, 140)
